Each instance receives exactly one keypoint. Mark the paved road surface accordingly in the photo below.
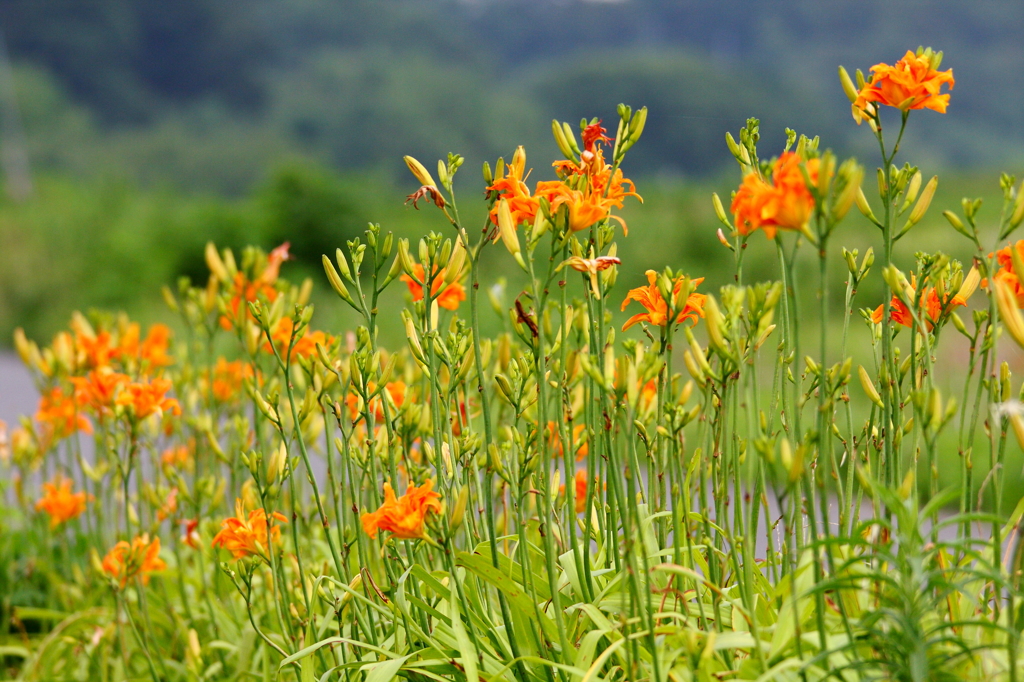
(17, 393)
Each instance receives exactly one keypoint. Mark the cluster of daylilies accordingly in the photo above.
(571, 506)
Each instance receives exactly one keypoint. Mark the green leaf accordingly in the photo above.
(514, 593)
(385, 671)
(466, 647)
(302, 653)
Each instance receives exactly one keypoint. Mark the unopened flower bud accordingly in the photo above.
(418, 170)
(869, 386)
(275, 465)
(507, 228)
(335, 280)
(925, 201)
(560, 139)
(720, 210)
(848, 86)
(214, 262)
(863, 206)
(404, 257)
(455, 263)
(1018, 208)
(1006, 302)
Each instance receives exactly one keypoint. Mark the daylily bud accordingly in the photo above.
(405, 257)
(214, 262)
(851, 261)
(339, 256)
(912, 190)
(907, 487)
(715, 320)
(957, 224)
(847, 83)
(734, 148)
(395, 271)
(570, 138)
(1007, 304)
(442, 172)
(412, 335)
(418, 170)
(488, 175)
(698, 354)
(560, 139)
(959, 324)
(636, 125)
(459, 512)
(335, 280)
(1018, 427)
(849, 194)
(275, 466)
(869, 386)
(455, 262)
(507, 228)
(896, 280)
(1018, 208)
(764, 336)
(863, 206)
(723, 241)
(924, 202)
(169, 299)
(720, 210)
(693, 369)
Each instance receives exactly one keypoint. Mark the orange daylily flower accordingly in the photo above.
(228, 378)
(169, 507)
(448, 298)
(589, 190)
(579, 440)
(140, 558)
(657, 310)
(245, 290)
(153, 350)
(396, 389)
(99, 349)
(933, 306)
(177, 457)
(910, 83)
(601, 190)
(592, 266)
(248, 535)
(404, 517)
(61, 414)
(98, 390)
(59, 502)
(146, 398)
(303, 347)
(580, 490)
(784, 203)
(513, 190)
(1006, 272)
(191, 535)
(649, 393)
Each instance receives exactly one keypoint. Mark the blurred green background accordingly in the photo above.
(134, 132)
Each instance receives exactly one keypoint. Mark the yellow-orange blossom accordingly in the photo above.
(405, 516)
